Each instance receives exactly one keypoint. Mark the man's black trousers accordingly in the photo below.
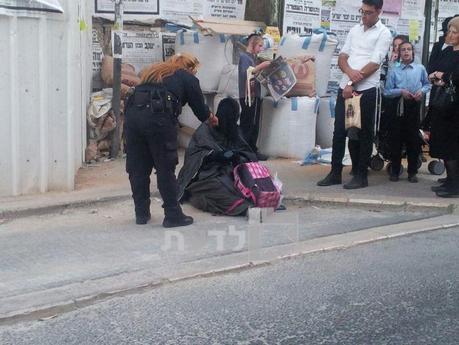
(151, 141)
(361, 149)
(404, 130)
(250, 121)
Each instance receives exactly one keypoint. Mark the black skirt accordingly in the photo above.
(444, 135)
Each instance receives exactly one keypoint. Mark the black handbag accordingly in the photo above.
(445, 96)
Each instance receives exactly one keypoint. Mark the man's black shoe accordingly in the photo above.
(261, 156)
(413, 179)
(356, 182)
(393, 178)
(330, 180)
(170, 222)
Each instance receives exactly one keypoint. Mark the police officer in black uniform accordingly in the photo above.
(151, 133)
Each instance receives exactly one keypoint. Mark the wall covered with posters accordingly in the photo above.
(339, 16)
(146, 44)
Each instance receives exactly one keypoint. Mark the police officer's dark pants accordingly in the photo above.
(361, 149)
(405, 130)
(250, 121)
(152, 142)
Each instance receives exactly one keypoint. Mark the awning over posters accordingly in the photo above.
(229, 27)
(24, 7)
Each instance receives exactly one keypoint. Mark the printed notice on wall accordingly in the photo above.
(179, 11)
(301, 16)
(412, 8)
(130, 6)
(168, 40)
(341, 23)
(393, 6)
(349, 6)
(224, 9)
(335, 76)
(141, 48)
(448, 6)
(97, 55)
(325, 16)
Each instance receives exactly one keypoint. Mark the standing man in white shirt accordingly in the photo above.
(360, 59)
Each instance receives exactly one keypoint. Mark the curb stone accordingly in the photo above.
(289, 199)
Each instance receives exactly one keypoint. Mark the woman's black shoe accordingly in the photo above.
(170, 222)
(448, 193)
(439, 188)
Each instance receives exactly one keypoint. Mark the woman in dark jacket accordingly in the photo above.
(151, 133)
(444, 127)
(206, 178)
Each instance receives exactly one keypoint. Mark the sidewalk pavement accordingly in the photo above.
(108, 181)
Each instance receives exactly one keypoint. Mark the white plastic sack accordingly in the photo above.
(325, 121)
(187, 117)
(321, 44)
(213, 53)
(100, 105)
(288, 127)
(229, 83)
(184, 137)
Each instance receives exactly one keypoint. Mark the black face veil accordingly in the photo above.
(228, 115)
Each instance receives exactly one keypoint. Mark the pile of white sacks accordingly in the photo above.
(288, 127)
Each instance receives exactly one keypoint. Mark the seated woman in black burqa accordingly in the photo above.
(206, 178)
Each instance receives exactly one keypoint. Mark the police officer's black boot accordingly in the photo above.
(142, 212)
(175, 217)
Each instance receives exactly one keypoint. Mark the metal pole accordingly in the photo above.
(117, 57)
(425, 47)
(436, 20)
(280, 17)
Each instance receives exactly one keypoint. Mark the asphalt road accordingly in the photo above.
(399, 291)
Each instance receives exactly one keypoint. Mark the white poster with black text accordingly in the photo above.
(301, 16)
(150, 7)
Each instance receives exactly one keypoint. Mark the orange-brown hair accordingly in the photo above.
(157, 72)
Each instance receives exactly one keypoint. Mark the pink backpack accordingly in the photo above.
(254, 181)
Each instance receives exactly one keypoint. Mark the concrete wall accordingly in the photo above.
(44, 91)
